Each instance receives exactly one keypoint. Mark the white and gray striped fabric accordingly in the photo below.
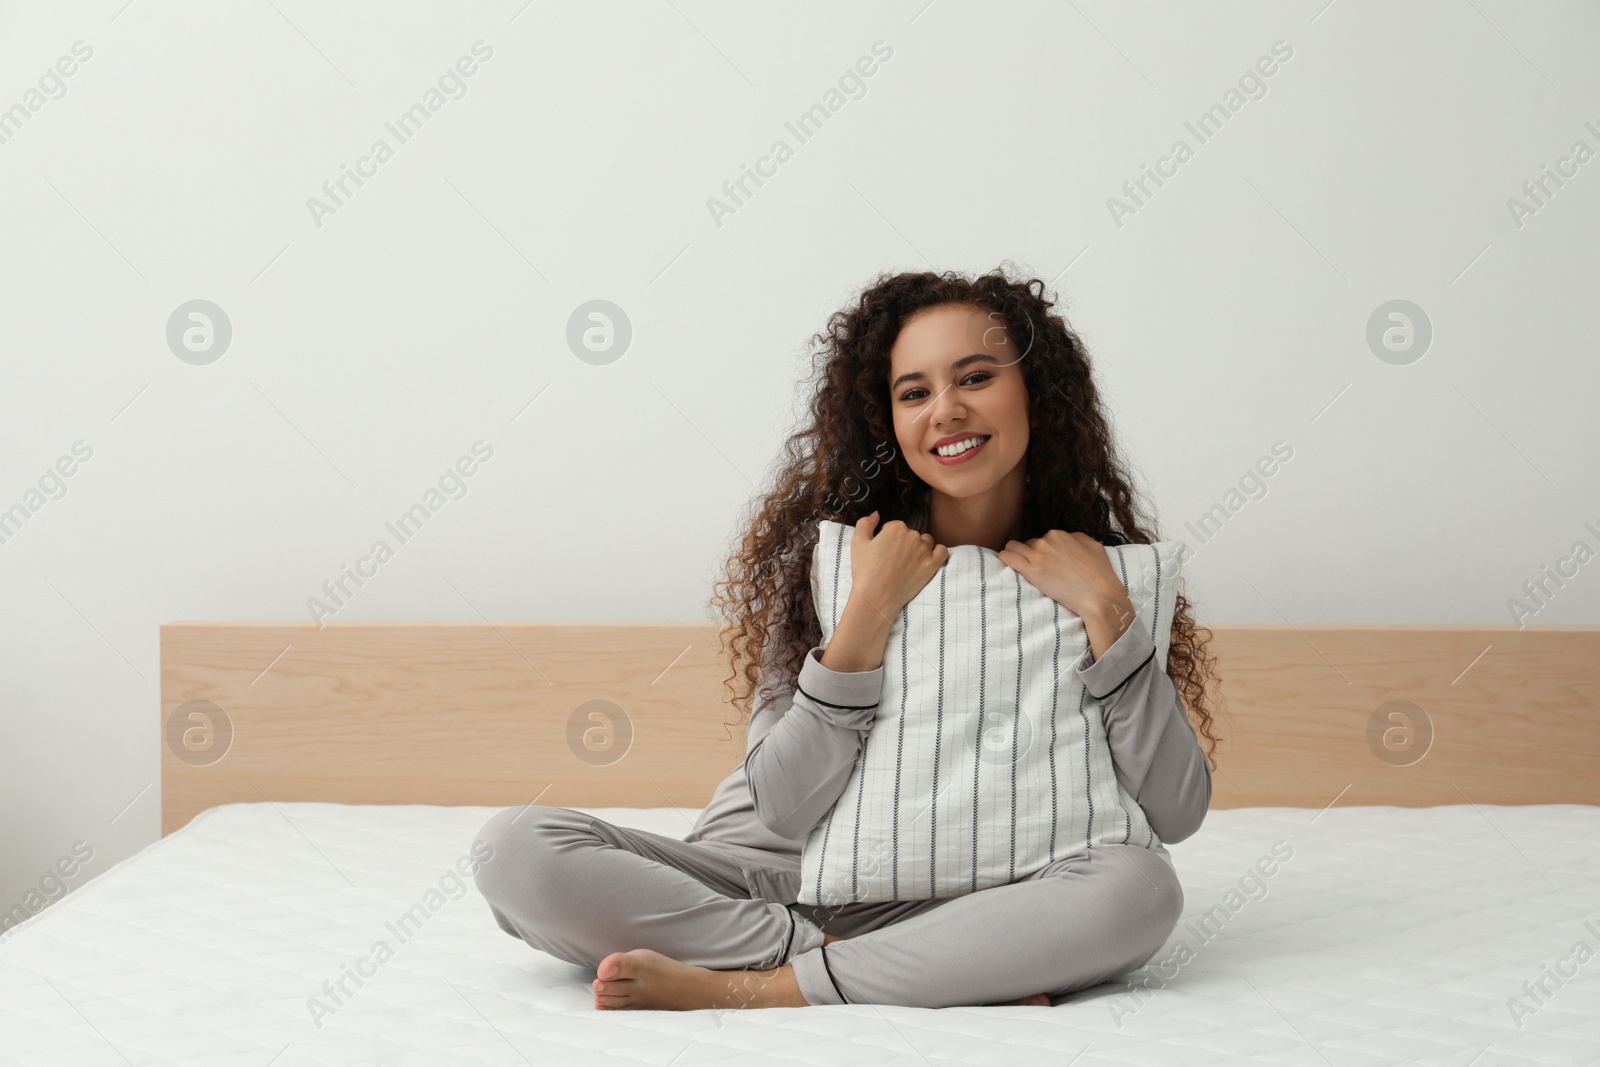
(987, 759)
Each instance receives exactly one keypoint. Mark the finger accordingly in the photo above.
(867, 523)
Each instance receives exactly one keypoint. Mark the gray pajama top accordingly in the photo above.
(802, 747)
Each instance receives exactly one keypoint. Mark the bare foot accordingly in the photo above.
(644, 979)
(1038, 1000)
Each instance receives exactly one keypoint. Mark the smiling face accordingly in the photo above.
(960, 404)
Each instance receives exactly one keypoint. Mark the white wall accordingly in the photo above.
(369, 352)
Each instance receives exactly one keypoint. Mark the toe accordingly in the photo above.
(609, 994)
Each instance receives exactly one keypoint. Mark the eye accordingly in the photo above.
(981, 375)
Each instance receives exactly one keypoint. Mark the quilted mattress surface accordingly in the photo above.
(1463, 935)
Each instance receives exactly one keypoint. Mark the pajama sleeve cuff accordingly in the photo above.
(846, 696)
(1127, 654)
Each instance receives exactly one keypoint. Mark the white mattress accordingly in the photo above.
(1393, 935)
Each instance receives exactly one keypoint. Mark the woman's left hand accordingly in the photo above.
(1073, 570)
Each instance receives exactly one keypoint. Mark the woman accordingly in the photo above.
(966, 411)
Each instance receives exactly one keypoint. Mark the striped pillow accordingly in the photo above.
(955, 791)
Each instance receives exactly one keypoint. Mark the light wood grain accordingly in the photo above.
(1520, 725)
(475, 713)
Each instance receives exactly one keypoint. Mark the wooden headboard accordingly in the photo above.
(601, 715)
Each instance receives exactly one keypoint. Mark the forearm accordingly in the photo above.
(1156, 754)
(859, 640)
(801, 764)
(1106, 621)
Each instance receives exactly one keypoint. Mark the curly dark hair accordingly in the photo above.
(845, 464)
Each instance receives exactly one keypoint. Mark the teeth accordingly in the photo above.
(962, 446)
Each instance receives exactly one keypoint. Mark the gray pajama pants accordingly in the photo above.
(580, 888)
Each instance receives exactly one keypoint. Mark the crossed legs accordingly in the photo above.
(674, 924)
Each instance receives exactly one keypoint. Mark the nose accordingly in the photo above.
(946, 408)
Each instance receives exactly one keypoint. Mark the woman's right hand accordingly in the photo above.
(887, 571)
(891, 565)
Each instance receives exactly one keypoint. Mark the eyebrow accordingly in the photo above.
(917, 375)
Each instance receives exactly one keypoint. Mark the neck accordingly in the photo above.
(990, 518)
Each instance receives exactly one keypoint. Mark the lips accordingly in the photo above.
(963, 457)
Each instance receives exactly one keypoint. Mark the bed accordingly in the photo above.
(1357, 895)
